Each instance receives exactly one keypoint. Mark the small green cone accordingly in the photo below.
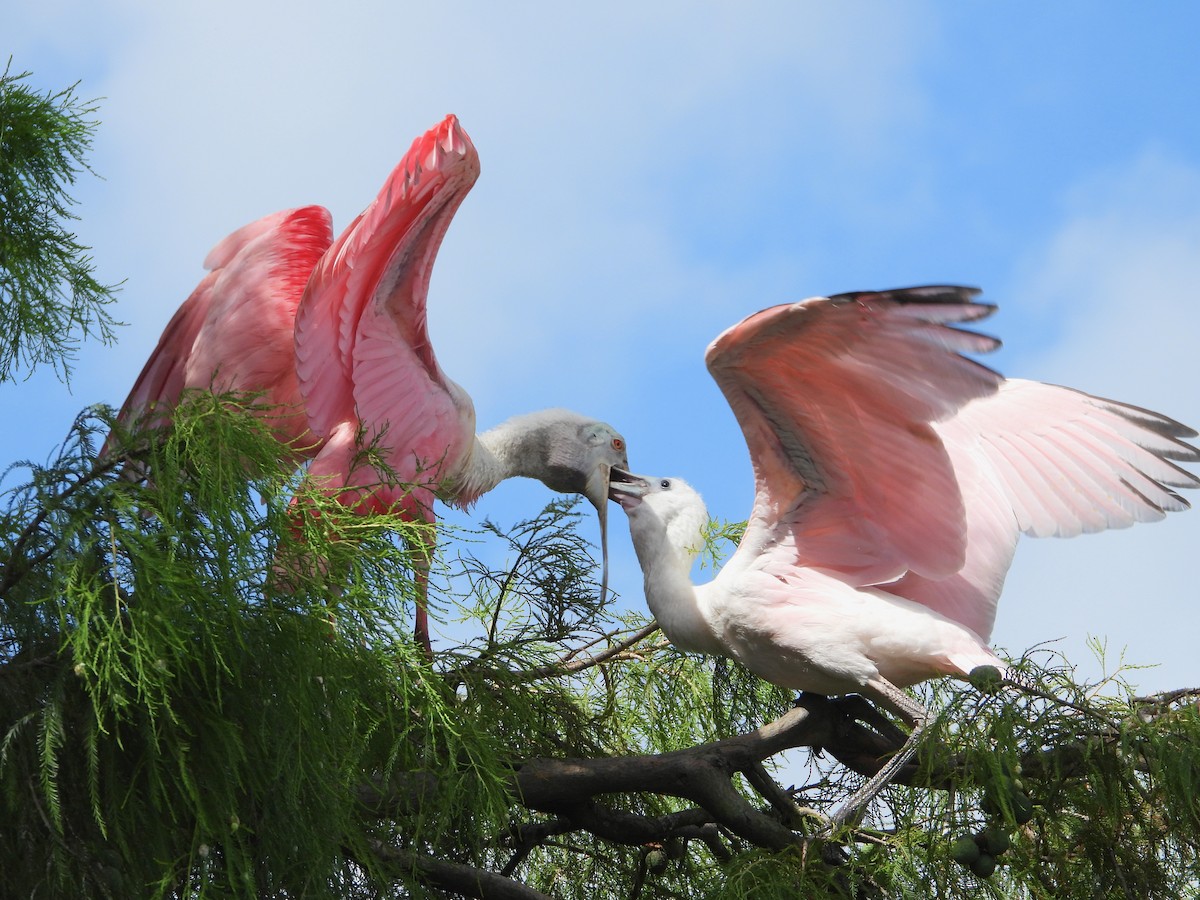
(986, 679)
(964, 850)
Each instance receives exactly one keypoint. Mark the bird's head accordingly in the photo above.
(567, 452)
(582, 453)
(667, 505)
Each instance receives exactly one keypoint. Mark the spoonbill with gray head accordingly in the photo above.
(334, 335)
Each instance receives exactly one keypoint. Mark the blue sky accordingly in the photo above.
(654, 172)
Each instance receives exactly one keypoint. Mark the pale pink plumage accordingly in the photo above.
(893, 478)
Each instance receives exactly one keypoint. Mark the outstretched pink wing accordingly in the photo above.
(837, 398)
(162, 378)
(1049, 461)
(235, 330)
(363, 353)
(884, 454)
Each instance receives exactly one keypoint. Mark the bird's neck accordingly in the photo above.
(670, 594)
(509, 450)
(481, 472)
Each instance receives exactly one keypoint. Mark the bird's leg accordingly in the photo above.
(888, 695)
(421, 619)
(422, 552)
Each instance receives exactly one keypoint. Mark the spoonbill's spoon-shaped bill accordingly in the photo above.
(893, 478)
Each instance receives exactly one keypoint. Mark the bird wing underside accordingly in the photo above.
(1072, 463)
(162, 377)
(362, 345)
(837, 398)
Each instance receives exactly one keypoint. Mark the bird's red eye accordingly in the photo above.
(618, 444)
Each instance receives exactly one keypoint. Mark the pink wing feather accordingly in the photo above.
(837, 398)
(363, 353)
(162, 378)
(1075, 464)
(1048, 461)
(235, 330)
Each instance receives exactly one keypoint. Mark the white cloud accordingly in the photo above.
(596, 129)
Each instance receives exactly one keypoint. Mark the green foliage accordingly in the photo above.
(172, 719)
(1064, 789)
(720, 539)
(191, 703)
(49, 296)
(208, 688)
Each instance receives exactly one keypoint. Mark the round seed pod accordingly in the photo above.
(994, 841)
(965, 850)
(656, 862)
(985, 679)
(984, 866)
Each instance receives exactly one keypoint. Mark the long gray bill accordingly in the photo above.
(603, 513)
(597, 493)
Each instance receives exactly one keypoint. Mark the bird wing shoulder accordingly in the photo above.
(261, 265)
(162, 378)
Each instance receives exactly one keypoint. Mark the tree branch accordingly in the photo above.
(621, 827)
(701, 774)
(402, 795)
(459, 877)
(571, 789)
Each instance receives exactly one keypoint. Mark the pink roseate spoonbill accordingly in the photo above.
(368, 373)
(234, 333)
(893, 477)
(339, 331)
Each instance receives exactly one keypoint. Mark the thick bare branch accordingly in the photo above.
(402, 795)
(628, 828)
(701, 774)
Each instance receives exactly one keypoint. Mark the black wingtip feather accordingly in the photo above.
(928, 293)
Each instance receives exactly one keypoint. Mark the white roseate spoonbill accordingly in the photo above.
(893, 478)
(338, 330)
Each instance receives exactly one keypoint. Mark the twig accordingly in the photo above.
(567, 665)
(780, 800)
(1163, 700)
(12, 572)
